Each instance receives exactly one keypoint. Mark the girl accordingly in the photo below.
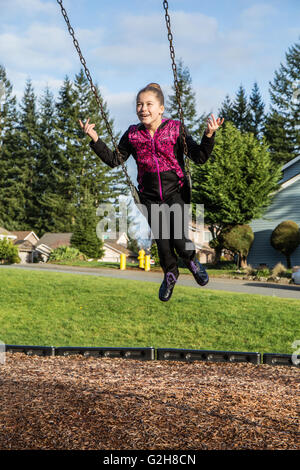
(157, 146)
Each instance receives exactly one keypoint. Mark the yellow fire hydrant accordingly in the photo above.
(141, 259)
(122, 261)
(147, 263)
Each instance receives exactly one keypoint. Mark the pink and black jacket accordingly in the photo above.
(160, 159)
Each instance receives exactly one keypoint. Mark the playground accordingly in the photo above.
(220, 400)
(87, 403)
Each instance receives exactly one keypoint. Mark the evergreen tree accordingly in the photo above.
(104, 183)
(188, 100)
(241, 111)
(46, 178)
(84, 236)
(236, 185)
(28, 128)
(226, 110)
(12, 198)
(282, 124)
(257, 112)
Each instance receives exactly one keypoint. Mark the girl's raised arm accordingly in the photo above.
(89, 129)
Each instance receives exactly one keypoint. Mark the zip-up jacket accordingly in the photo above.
(160, 159)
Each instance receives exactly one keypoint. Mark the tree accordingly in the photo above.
(188, 101)
(238, 239)
(48, 215)
(8, 252)
(241, 111)
(245, 116)
(236, 185)
(257, 112)
(282, 124)
(12, 198)
(84, 236)
(226, 110)
(286, 238)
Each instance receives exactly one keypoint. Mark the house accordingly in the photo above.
(49, 241)
(26, 242)
(285, 206)
(113, 248)
(6, 234)
(200, 236)
(117, 245)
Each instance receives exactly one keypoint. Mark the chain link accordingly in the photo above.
(98, 99)
(176, 82)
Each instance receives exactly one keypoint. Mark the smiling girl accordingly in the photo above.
(157, 147)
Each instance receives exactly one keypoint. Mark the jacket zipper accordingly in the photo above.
(157, 165)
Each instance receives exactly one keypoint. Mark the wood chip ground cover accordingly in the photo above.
(117, 404)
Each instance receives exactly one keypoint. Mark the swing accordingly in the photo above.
(134, 191)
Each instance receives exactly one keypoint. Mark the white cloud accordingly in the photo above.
(257, 15)
(27, 7)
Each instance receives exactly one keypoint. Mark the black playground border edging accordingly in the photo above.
(160, 354)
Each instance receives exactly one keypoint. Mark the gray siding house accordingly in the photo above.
(285, 206)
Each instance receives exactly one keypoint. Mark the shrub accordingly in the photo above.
(8, 251)
(154, 253)
(278, 269)
(249, 270)
(64, 253)
(286, 238)
(263, 273)
(239, 239)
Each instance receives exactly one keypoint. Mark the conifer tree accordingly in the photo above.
(84, 236)
(241, 111)
(188, 100)
(48, 216)
(257, 112)
(104, 183)
(237, 185)
(28, 127)
(12, 198)
(226, 110)
(282, 124)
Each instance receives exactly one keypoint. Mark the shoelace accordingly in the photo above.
(194, 267)
(170, 278)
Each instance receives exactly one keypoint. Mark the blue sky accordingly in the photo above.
(224, 43)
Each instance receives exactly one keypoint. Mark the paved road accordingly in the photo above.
(230, 285)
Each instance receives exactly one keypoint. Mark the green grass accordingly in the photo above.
(60, 309)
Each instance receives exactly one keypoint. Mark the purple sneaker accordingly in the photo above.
(198, 272)
(167, 286)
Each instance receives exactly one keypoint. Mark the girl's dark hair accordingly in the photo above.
(155, 88)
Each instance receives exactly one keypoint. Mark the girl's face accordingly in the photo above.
(148, 109)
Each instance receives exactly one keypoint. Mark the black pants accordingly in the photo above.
(169, 226)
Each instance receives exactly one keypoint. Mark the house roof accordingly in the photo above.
(119, 248)
(291, 162)
(23, 234)
(54, 240)
(3, 231)
(24, 245)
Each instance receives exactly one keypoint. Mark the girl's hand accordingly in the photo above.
(213, 125)
(89, 130)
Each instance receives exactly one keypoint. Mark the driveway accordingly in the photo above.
(229, 285)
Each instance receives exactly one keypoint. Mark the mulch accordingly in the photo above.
(81, 403)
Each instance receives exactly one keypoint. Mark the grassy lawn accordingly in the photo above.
(60, 309)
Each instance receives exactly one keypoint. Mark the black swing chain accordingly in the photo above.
(176, 82)
(98, 99)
